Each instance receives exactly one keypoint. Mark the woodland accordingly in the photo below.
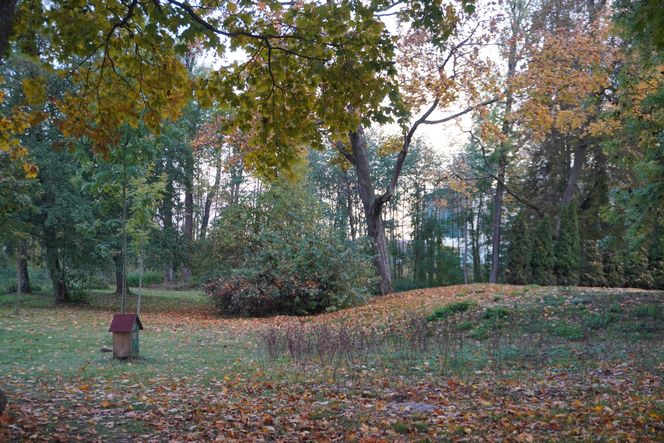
(355, 220)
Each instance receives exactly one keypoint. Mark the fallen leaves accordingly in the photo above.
(620, 400)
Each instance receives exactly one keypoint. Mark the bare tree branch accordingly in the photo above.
(389, 192)
(460, 113)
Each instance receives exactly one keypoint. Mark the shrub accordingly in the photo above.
(519, 253)
(451, 309)
(281, 260)
(567, 247)
(614, 271)
(497, 313)
(542, 260)
(592, 268)
(637, 274)
(150, 278)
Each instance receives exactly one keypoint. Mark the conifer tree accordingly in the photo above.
(656, 268)
(567, 248)
(542, 259)
(637, 274)
(614, 271)
(519, 253)
(592, 267)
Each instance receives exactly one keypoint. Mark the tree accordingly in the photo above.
(542, 258)
(613, 267)
(277, 256)
(592, 266)
(567, 251)
(519, 253)
(518, 14)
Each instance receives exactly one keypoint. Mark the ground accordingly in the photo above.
(459, 363)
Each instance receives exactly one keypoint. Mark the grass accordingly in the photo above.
(246, 378)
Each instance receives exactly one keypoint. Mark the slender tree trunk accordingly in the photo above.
(125, 286)
(7, 11)
(209, 198)
(373, 212)
(349, 207)
(188, 229)
(140, 278)
(25, 286)
(60, 289)
(120, 279)
(188, 225)
(19, 272)
(497, 222)
(475, 238)
(465, 247)
(575, 173)
(237, 178)
(167, 220)
(502, 160)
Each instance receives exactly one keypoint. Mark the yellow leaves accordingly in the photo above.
(564, 79)
(604, 127)
(30, 170)
(391, 144)
(568, 121)
(34, 90)
(491, 132)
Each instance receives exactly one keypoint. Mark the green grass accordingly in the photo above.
(52, 340)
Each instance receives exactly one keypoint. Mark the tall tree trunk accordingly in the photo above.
(7, 11)
(60, 289)
(373, 205)
(575, 173)
(465, 245)
(25, 286)
(209, 198)
(502, 158)
(475, 240)
(18, 282)
(167, 220)
(349, 207)
(141, 270)
(188, 229)
(372, 211)
(497, 220)
(120, 278)
(237, 178)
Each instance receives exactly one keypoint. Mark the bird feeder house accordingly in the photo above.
(125, 329)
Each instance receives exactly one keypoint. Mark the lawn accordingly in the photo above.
(460, 363)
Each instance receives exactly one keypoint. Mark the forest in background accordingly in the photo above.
(269, 180)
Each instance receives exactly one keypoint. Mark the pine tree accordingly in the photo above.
(567, 248)
(542, 259)
(614, 272)
(637, 274)
(656, 257)
(519, 253)
(592, 267)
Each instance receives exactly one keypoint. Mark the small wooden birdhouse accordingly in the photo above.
(125, 329)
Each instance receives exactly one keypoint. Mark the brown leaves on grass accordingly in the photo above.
(612, 402)
(618, 400)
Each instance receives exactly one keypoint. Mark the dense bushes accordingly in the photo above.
(150, 278)
(567, 250)
(519, 253)
(277, 258)
(533, 258)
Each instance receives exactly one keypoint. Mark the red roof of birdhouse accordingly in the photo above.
(124, 323)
